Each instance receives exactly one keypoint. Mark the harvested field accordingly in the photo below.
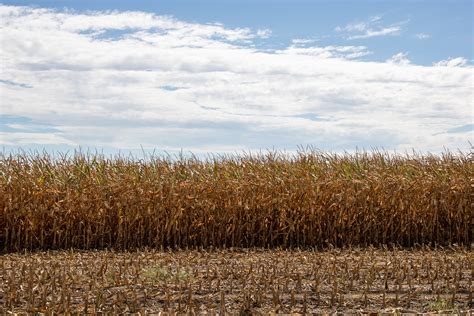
(307, 200)
(311, 221)
(235, 281)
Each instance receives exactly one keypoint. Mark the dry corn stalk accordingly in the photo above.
(311, 199)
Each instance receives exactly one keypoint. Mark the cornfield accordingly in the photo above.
(306, 200)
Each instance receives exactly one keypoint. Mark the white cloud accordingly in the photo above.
(265, 33)
(373, 33)
(451, 62)
(357, 26)
(302, 41)
(400, 59)
(102, 90)
(371, 28)
(347, 52)
(375, 18)
(422, 36)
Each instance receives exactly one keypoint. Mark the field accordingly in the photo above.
(238, 281)
(311, 232)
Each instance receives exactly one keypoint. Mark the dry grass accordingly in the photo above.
(238, 281)
(310, 199)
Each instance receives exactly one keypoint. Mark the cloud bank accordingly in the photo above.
(127, 80)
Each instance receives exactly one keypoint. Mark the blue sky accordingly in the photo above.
(226, 76)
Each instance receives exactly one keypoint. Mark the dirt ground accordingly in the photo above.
(239, 281)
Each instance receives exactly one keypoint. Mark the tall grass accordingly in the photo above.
(310, 199)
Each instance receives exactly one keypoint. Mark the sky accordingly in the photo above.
(233, 76)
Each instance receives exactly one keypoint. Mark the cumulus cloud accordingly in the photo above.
(131, 79)
(373, 27)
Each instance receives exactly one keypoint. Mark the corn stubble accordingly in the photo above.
(237, 281)
(307, 200)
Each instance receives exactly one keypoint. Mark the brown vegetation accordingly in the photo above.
(238, 281)
(310, 199)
